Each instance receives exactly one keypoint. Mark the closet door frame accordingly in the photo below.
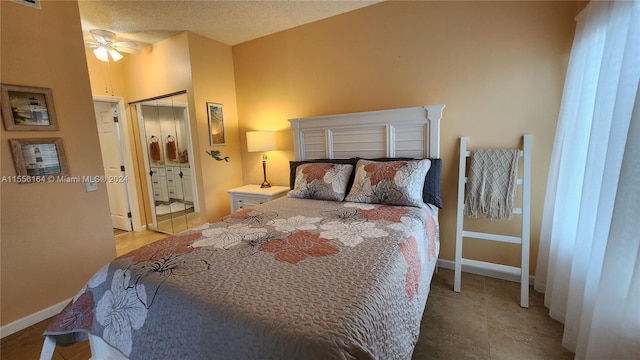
(147, 165)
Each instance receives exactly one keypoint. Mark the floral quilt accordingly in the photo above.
(289, 279)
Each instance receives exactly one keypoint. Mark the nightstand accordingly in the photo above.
(251, 195)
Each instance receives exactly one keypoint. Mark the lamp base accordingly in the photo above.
(265, 183)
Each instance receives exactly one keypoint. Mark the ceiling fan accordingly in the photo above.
(106, 46)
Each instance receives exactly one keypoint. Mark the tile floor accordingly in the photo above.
(484, 321)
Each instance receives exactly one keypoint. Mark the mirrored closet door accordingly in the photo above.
(167, 149)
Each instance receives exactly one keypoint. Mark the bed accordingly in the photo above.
(339, 269)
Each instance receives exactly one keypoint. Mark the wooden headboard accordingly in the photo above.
(407, 132)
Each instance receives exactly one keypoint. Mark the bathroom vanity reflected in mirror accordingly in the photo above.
(166, 146)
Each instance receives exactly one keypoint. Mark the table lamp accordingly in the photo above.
(262, 141)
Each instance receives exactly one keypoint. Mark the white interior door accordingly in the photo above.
(108, 131)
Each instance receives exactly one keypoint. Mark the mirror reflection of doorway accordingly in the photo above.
(166, 146)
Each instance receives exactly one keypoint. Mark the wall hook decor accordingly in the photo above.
(216, 155)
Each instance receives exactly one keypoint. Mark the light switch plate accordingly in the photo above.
(91, 185)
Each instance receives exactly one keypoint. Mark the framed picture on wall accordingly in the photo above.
(39, 159)
(27, 108)
(216, 124)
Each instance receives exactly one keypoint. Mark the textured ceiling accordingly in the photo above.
(230, 22)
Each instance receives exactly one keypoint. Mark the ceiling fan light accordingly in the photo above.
(101, 53)
(115, 55)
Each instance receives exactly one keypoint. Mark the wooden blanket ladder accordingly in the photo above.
(523, 239)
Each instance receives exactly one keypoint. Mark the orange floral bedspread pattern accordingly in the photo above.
(292, 278)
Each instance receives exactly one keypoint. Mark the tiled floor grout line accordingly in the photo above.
(486, 315)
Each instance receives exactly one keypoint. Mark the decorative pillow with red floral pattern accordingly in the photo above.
(390, 182)
(321, 181)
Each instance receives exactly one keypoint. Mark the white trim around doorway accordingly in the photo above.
(127, 154)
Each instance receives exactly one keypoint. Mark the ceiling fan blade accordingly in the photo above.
(106, 45)
(126, 44)
(127, 50)
(128, 47)
(102, 36)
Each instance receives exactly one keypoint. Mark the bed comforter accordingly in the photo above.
(289, 279)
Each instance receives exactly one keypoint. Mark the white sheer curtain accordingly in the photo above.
(588, 261)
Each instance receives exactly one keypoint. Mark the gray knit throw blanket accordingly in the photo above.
(491, 184)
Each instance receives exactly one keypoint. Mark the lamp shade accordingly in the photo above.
(115, 55)
(101, 53)
(261, 141)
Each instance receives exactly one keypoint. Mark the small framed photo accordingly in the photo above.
(35, 158)
(216, 124)
(27, 108)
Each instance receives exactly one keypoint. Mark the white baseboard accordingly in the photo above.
(32, 319)
(448, 264)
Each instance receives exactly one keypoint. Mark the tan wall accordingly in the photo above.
(161, 68)
(54, 235)
(213, 81)
(498, 66)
